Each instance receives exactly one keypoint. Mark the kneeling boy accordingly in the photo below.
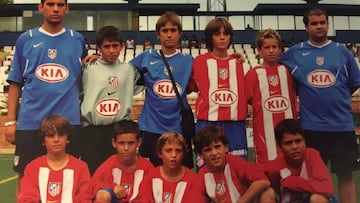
(118, 178)
(228, 178)
(299, 175)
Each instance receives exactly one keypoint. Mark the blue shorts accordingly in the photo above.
(114, 199)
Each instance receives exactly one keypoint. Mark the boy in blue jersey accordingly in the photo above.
(161, 110)
(45, 73)
(327, 75)
(109, 86)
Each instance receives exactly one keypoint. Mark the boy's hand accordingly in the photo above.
(10, 134)
(89, 58)
(120, 192)
(240, 56)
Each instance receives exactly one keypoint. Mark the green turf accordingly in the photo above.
(7, 182)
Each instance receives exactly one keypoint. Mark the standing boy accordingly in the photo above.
(271, 92)
(109, 86)
(327, 75)
(45, 74)
(229, 178)
(118, 178)
(299, 175)
(161, 110)
(56, 176)
(219, 79)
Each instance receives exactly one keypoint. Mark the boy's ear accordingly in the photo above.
(113, 142)
(139, 142)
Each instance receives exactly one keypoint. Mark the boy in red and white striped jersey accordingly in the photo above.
(271, 92)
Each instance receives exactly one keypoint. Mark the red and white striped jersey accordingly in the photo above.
(41, 183)
(271, 92)
(220, 83)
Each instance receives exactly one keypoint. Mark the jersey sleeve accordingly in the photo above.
(319, 181)
(29, 187)
(288, 58)
(137, 62)
(83, 190)
(18, 63)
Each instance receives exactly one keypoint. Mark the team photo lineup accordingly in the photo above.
(70, 115)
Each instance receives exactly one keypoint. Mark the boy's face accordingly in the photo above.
(293, 146)
(214, 155)
(126, 146)
(172, 155)
(221, 40)
(317, 28)
(270, 51)
(169, 36)
(55, 144)
(54, 11)
(110, 50)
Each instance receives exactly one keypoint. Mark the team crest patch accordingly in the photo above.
(113, 81)
(320, 60)
(166, 71)
(167, 197)
(273, 80)
(52, 53)
(223, 73)
(54, 188)
(220, 188)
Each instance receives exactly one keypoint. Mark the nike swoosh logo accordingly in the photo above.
(36, 45)
(306, 53)
(153, 62)
(110, 93)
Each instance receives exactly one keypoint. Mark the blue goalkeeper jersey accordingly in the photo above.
(161, 110)
(48, 67)
(325, 77)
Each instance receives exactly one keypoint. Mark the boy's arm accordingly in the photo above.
(13, 102)
(83, 194)
(319, 182)
(29, 187)
(254, 190)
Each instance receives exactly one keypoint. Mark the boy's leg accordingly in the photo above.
(346, 187)
(106, 195)
(28, 147)
(344, 160)
(147, 148)
(95, 145)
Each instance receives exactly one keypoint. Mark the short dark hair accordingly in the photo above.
(55, 124)
(43, 1)
(108, 32)
(207, 135)
(314, 11)
(170, 17)
(214, 26)
(125, 126)
(291, 126)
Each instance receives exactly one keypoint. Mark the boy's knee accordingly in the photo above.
(103, 196)
(267, 196)
(318, 198)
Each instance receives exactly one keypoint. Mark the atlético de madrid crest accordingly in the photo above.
(320, 60)
(52, 53)
(273, 80)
